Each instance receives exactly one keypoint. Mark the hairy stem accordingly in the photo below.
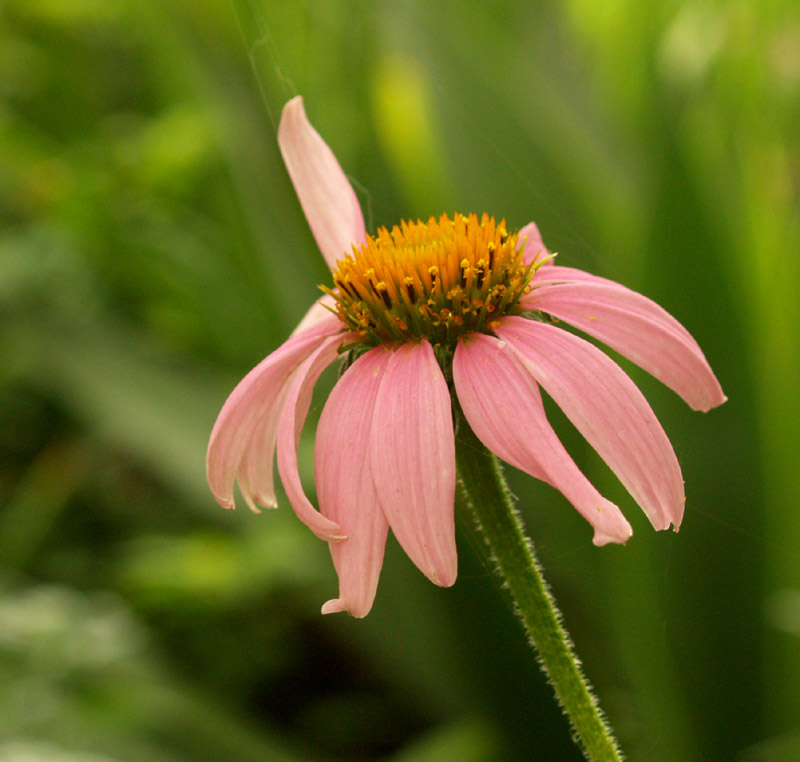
(500, 525)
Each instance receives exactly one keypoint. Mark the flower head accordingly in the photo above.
(457, 304)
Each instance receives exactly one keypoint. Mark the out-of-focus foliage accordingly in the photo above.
(152, 250)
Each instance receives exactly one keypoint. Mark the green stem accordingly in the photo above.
(488, 496)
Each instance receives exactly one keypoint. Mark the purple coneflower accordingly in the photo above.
(453, 306)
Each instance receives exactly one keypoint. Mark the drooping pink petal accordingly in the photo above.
(513, 425)
(327, 198)
(638, 329)
(255, 470)
(413, 459)
(608, 409)
(345, 487)
(531, 239)
(248, 418)
(293, 416)
(559, 275)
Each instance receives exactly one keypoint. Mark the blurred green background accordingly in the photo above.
(152, 250)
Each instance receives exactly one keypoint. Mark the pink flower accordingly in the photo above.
(422, 308)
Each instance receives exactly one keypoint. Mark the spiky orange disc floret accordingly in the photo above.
(437, 280)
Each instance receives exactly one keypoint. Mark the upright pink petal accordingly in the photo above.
(293, 416)
(638, 329)
(244, 432)
(327, 198)
(531, 239)
(514, 426)
(413, 459)
(608, 409)
(345, 487)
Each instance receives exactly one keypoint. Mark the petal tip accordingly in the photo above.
(717, 398)
(225, 501)
(443, 577)
(665, 523)
(615, 529)
(338, 605)
(334, 606)
(251, 502)
(292, 107)
(604, 538)
(327, 530)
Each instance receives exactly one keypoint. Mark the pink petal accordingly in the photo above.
(638, 329)
(513, 425)
(531, 239)
(293, 416)
(327, 198)
(243, 438)
(255, 470)
(557, 274)
(608, 409)
(345, 487)
(413, 459)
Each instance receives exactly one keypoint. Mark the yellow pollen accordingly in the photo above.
(436, 280)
